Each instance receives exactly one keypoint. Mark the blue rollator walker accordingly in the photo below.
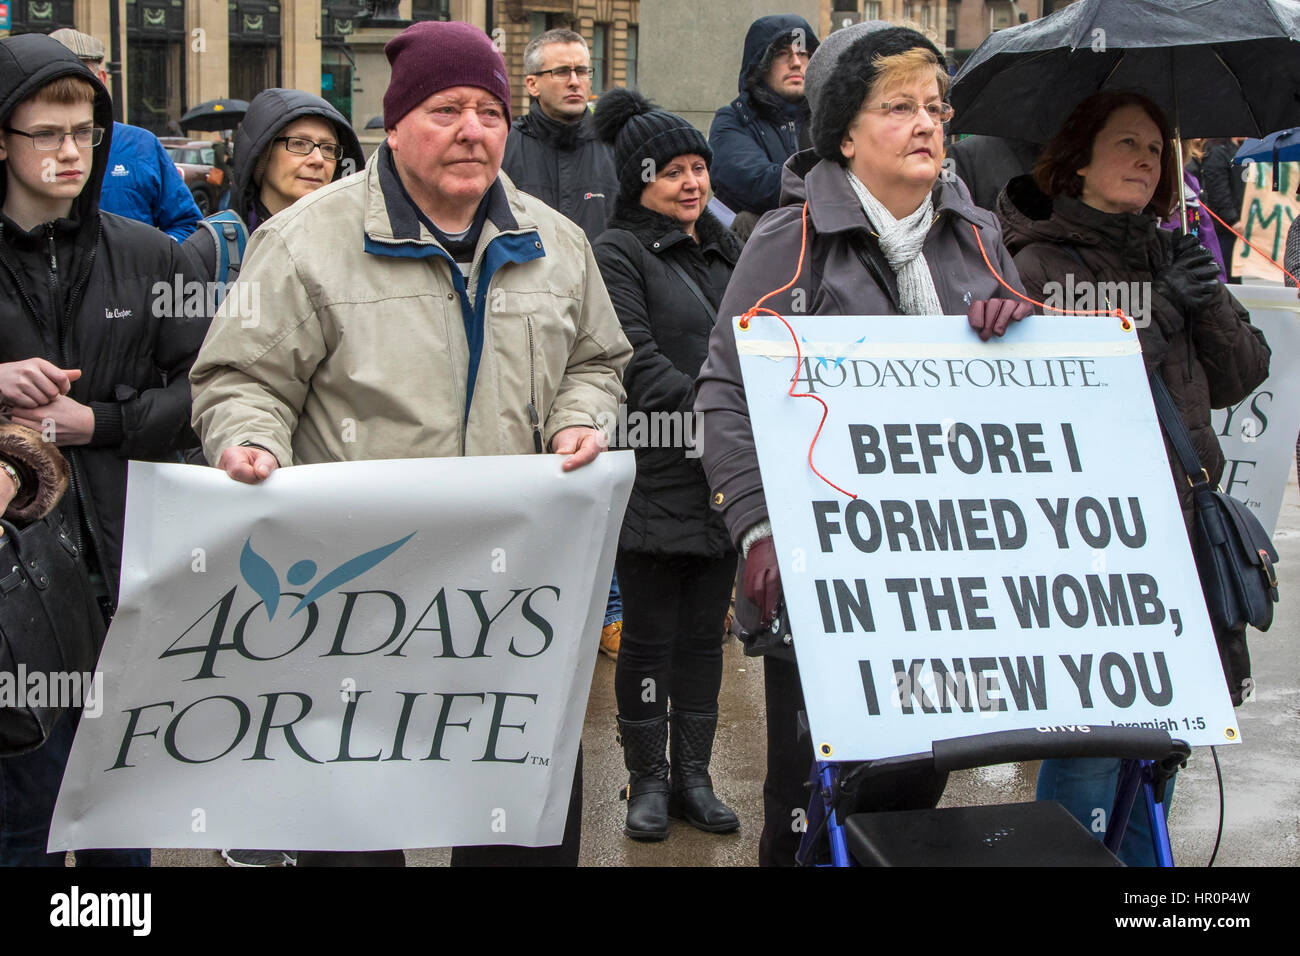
(1041, 833)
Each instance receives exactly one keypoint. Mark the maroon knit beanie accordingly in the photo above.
(433, 55)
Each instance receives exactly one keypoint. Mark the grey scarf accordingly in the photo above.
(901, 241)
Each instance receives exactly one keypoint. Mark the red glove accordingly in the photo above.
(990, 317)
(763, 580)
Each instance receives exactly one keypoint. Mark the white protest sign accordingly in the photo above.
(1016, 556)
(350, 656)
(1258, 434)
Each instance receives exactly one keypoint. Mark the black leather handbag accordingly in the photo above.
(1234, 556)
(50, 626)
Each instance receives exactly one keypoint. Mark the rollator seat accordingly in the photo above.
(1011, 834)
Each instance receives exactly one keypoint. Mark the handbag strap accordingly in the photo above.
(1172, 422)
(695, 289)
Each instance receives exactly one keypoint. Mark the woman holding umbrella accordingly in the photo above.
(885, 236)
(1092, 208)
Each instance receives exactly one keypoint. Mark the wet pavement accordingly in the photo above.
(1261, 775)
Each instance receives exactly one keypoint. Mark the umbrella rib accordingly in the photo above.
(1244, 99)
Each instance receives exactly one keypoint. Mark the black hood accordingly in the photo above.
(29, 62)
(763, 32)
(271, 111)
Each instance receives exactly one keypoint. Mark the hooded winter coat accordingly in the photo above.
(80, 293)
(844, 273)
(565, 166)
(1209, 360)
(269, 112)
(758, 131)
(668, 327)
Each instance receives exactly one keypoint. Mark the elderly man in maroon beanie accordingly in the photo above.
(421, 308)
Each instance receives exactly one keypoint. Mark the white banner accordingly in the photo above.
(1016, 556)
(349, 656)
(1258, 434)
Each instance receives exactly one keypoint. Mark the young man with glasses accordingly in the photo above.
(142, 182)
(86, 360)
(767, 123)
(552, 153)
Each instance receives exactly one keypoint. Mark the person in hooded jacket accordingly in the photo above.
(289, 145)
(885, 236)
(89, 358)
(760, 129)
(666, 261)
(1092, 208)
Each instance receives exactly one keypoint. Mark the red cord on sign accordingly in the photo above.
(1125, 324)
(755, 309)
(1249, 243)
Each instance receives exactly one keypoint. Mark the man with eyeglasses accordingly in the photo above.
(552, 152)
(425, 309)
(86, 360)
(142, 181)
(766, 124)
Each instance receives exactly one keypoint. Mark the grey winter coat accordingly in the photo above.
(844, 273)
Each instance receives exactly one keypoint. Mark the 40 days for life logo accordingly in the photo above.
(352, 625)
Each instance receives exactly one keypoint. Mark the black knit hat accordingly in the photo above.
(848, 79)
(638, 130)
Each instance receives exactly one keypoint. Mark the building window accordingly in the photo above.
(871, 10)
(254, 48)
(600, 57)
(925, 16)
(845, 6)
(430, 9)
(39, 16)
(630, 64)
(155, 63)
(539, 23)
(951, 27)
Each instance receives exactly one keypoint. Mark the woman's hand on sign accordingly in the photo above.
(763, 580)
(247, 463)
(990, 317)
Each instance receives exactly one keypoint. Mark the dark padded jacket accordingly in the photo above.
(757, 132)
(668, 511)
(565, 166)
(844, 273)
(1208, 360)
(269, 112)
(96, 309)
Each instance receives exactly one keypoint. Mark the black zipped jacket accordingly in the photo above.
(668, 326)
(96, 292)
(565, 166)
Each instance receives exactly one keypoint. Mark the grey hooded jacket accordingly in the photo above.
(844, 273)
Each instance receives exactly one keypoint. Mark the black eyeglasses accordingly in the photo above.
(303, 147)
(49, 139)
(562, 72)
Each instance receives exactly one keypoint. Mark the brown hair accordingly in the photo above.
(1071, 149)
(66, 91)
(901, 67)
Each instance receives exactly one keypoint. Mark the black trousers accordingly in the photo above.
(671, 647)
(564, 854)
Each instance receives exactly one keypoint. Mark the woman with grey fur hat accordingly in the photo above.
(885, 236)
(666, 261)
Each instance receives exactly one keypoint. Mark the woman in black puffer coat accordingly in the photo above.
(666, 262)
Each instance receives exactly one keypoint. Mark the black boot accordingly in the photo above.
(644, 742)
(692, 797)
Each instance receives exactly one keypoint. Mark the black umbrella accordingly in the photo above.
(1223, 67)
(375, 122)
(214, 115)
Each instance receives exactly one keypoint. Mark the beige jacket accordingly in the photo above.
(344, 338)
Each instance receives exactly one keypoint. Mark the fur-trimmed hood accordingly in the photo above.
(41, 468)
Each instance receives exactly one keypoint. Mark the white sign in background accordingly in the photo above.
(1016, 556)
(349, 656)
(1258, 434)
